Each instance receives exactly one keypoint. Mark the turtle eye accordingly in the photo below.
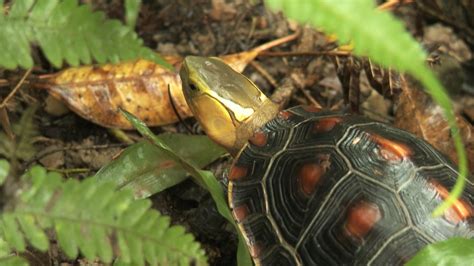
(192, 87)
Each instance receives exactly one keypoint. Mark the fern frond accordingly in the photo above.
(25, 130)
(66, 31)
(95, 220)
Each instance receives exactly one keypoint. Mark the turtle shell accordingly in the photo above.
(325, 188)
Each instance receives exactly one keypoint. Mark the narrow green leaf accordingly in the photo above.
(4, 170)
(455, 251)
(132, 7)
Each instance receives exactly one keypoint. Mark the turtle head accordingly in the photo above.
(227, 104)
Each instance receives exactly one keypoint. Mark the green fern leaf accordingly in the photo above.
(94, 220)
(383, 38)
(25, 130)
(66, 31)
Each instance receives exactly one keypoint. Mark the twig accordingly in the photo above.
(300, 85)
(330, 53)
(264, 73)
(391, 4)
(17, 87)
(67, 172)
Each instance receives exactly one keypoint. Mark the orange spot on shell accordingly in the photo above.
(361, 219)
(258, 139)
(311, 109)
(326, 124)
(459, 211)
(240, 212)
(391, 150)
(237, 172)
(311, 173)
(285, 115)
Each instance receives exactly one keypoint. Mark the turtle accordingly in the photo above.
(314, 187)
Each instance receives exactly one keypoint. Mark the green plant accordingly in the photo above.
(66, 31)
(93, 219)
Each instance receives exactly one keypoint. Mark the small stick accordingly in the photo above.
(264, 73)
(331, 53)
(17, 87)
(277, 42)
(392, 4)
(70, 171)
(300, 84)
